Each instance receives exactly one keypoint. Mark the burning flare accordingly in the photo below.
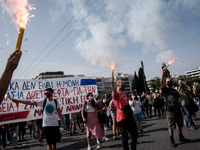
(19, 12)
(112, 66)
(169, 63)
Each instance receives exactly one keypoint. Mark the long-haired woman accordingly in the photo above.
(92, 124)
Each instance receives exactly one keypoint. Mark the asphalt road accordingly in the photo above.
(156, 137)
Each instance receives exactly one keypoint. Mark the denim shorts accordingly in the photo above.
(138, 116)
(113, 114)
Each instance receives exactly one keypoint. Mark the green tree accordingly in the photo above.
(135, 82)
(143, 85)
(155, 84)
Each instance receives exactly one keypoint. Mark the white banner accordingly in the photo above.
(70, 92)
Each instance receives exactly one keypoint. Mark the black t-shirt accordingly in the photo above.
(171, 95)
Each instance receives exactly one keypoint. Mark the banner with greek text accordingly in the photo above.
(70, 92)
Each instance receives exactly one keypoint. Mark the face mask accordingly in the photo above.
(156, 91)
(169, 83)
(123, 87)
(132, 96)
(48, 95)
(90, 98)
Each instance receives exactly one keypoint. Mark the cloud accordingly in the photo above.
(59, 10)
(164, 56)
(145, 24)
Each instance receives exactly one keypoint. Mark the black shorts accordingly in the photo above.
(52, 134)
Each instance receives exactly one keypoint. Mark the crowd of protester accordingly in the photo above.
(144, 105)
(118, 111)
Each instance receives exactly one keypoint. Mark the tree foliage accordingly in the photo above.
(155, 84)
(139, 82)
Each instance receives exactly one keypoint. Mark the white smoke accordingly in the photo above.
(164, 56)
(105, 32)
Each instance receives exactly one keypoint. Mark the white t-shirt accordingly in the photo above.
(50, 115)
(136, 108)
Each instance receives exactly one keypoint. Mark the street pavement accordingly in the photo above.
(156, 137)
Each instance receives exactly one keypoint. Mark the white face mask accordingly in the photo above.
(132, 96)
(90, 98)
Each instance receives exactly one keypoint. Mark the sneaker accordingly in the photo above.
(98, 146)
(106, 139)
(193, 128)
(184, 140)
(115, 138)
(89, 148)
(173, 144)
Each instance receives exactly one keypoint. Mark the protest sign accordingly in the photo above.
(70, 92)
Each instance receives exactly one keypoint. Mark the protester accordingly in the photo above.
(3, 130)
(101, 111)
(39, 130)
(161, 103)
(173, 110)
(126, 123)
(12, 63)
(21, 130)
(186, 101)
(144, 104)
(67, 121)
(157, 103)
(12, 127)
(106, 101)
(51, 111)
(32, 131)
(72, 125)
(136, 106)
(81, 121)
(196, 90)
(113, 112)
(150, 102)
(92, 125)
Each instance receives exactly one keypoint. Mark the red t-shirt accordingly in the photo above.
(120, 100)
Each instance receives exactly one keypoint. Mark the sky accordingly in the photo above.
(87, 36)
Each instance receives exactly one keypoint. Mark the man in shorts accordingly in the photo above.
(173, 110)
(51, 111)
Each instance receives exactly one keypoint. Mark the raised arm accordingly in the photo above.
(12, 63)
(114, 89)
(162, 79)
